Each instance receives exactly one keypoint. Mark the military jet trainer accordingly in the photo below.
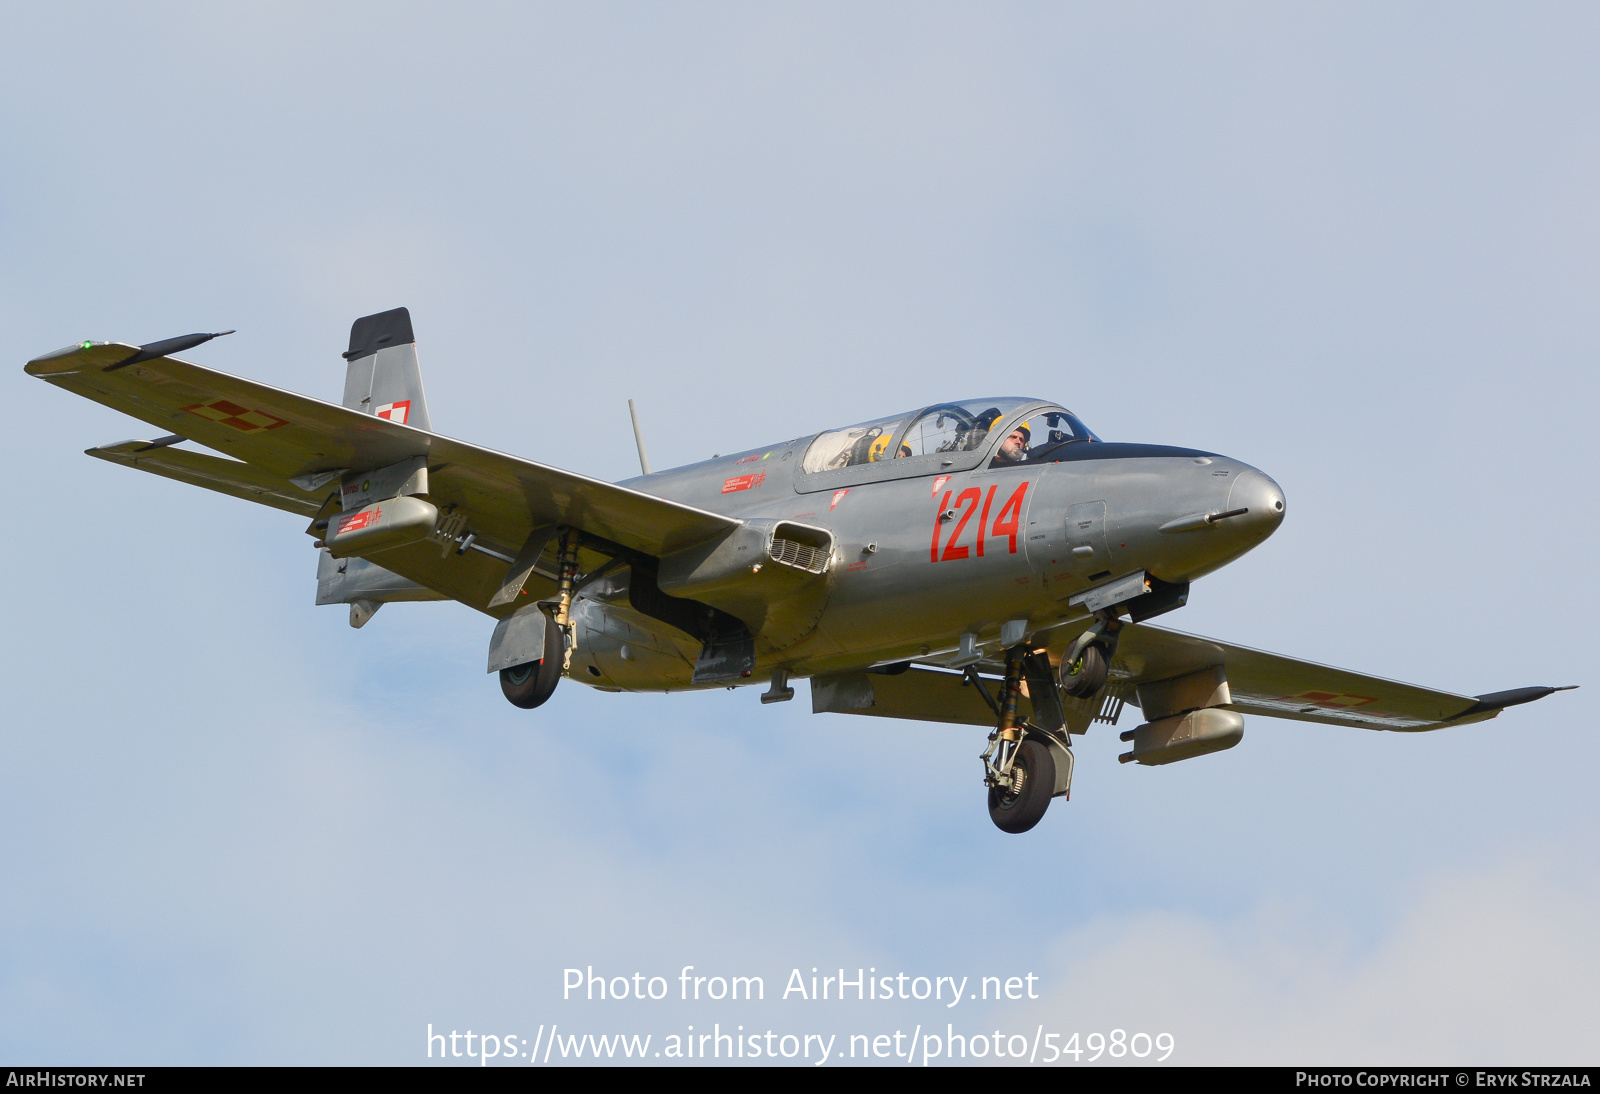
(989, 562)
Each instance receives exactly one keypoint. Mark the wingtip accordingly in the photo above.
(152, 350)
(46, 362)
(1500, 700)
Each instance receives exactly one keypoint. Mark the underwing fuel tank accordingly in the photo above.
(1185, 719)
(380, 526)
(1182, 736)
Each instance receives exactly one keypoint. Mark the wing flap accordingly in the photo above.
(469, 577)
(923, 695)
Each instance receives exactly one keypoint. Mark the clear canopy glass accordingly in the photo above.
(1038, 437)
(956, 427)
(945, 428)
(856, 444)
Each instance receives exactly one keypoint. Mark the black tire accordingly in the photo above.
(1021, 811)
(529, 685)
(1085, 676)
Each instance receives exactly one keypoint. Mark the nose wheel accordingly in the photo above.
(1018, 767)
(1021, 805)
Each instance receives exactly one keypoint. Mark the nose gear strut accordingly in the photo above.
(1018, 768)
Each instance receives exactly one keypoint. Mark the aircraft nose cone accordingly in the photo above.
(1262, 497)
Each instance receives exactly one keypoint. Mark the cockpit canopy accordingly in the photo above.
(948, 428)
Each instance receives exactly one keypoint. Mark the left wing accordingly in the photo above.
(922, 695)
(1276, 686)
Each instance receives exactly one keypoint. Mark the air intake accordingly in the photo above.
(799, 555)
(801, 547)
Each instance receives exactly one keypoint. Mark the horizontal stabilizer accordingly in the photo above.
(217, 473)
(347, 580)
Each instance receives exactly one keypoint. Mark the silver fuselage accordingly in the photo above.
(1015, 542)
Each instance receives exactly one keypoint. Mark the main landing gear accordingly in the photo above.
(1087, 660)
(1085, 674)
(530, 684)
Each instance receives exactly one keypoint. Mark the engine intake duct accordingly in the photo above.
(800, 546)
(771, 555)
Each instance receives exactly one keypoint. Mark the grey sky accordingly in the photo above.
(1354, 245)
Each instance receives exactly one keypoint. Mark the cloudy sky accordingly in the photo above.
(1354, 245)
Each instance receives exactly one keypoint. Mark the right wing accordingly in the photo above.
(276, 437)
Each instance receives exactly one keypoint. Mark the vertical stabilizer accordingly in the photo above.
(384, 377)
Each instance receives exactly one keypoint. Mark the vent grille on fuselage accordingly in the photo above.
(799, 555)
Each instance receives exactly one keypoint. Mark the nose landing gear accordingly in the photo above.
(1018, 767)
(1030, 778)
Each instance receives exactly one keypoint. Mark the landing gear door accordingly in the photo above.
(1086, 544)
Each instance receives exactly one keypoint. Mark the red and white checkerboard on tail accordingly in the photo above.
(395, 412)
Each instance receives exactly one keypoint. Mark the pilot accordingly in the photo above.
(881, 445)
(981, 426)
(1014, 449)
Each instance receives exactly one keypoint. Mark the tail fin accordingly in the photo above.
(384, 378)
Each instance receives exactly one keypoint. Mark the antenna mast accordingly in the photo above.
(638, 439)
